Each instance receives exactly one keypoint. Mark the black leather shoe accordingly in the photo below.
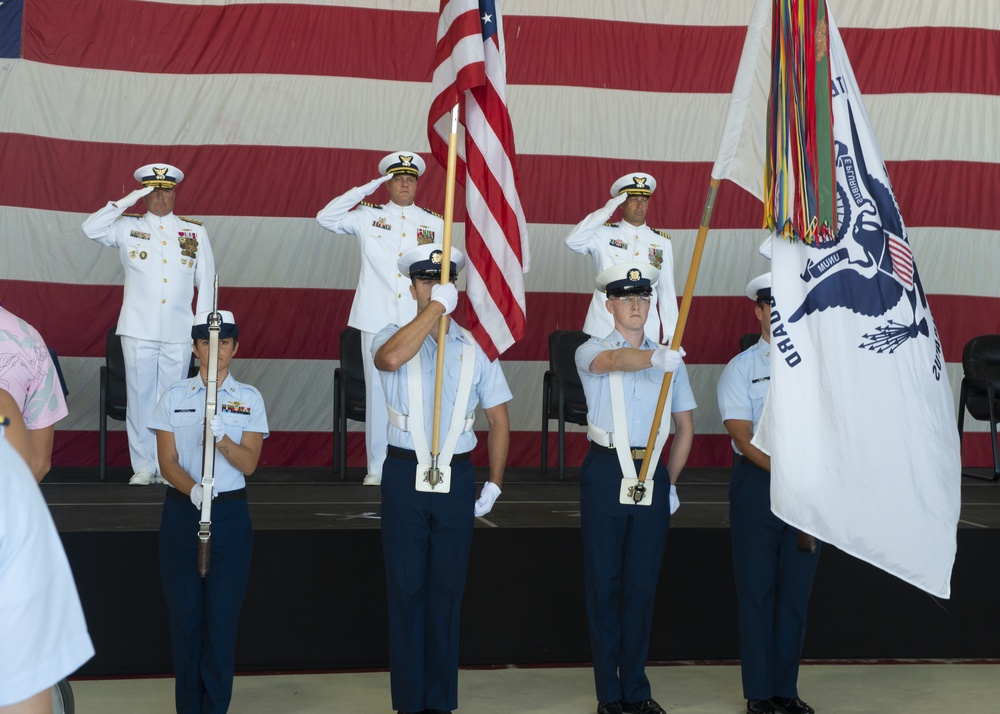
(647, 707)
(609, 708)
(793, 706)
(760, 706)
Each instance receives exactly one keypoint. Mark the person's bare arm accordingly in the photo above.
(741, 432)
(15, 431)
(41, 703)
(41, 450)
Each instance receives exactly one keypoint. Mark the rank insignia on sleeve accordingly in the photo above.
(424, 235)
(380, 223)
(370, 204)
(655, 256)
(139, 234)
(618, 243)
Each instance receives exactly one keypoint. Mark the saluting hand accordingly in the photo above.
(615, 202)
(369, 188)
(133, 197)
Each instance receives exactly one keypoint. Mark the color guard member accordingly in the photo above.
(623, 541)
(773, 576)
(384, 233)
(631, 240)
(427, 528)
(165, 257)
(204, 612)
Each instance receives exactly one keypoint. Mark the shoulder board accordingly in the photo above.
(611, 225)
(662, 233)
(370, 205)
(132, 215)
(191, 220)
(427, 210)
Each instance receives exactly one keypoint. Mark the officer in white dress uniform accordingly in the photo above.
(628, 241)
(384, 233)
(165, 257)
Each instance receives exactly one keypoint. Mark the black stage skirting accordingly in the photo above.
(316, 601)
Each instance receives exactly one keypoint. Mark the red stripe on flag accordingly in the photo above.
(315, 449)
(73, 320)
(930, 193)
(902, 260)
(327, 41)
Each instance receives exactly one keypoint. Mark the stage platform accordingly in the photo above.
(316, 599)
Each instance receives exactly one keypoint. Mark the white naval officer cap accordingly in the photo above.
(632, 278)
(229, 328)
(634, 184)
(759, 288)
(424, 261)
(402, 162)
(159, 175)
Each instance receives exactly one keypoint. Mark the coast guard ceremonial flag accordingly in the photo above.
(863, 442)
(470, 69)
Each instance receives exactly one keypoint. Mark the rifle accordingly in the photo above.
(208, 459)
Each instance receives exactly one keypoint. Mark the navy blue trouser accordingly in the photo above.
(204, 612)
(426, 539)
(773, 582)
(622, 552)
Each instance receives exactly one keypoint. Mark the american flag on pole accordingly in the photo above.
(470, 69)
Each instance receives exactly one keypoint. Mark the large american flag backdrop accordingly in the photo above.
(272, 109)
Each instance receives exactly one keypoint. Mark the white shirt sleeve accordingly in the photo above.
(42, 628)
(99, 225)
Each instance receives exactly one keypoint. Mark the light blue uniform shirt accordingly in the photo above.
(642, 389)
(181, 410)
(743, 385)
(489, 388)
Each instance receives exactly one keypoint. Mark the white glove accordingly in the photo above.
(487, 497)
(666, 359)
(675, 502)
(198, 494)
(134, 196)
(615, 202)
(218, 428)
(447, 295)
(370, 187)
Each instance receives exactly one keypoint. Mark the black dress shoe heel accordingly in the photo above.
(793, 705)
(647, 707)
(760, 706)
(609, 708)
